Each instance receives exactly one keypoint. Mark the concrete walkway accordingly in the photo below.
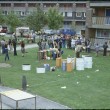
(28, 46)
(41, 103)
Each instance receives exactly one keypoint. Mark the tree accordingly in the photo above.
(13, 21)
(2, 18)
(73, 25)
(37, 20)
(55, 19)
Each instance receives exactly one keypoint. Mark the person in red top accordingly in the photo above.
(22, 48)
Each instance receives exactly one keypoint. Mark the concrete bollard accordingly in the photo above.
(24, 83)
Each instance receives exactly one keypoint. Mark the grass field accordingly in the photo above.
(91, 92)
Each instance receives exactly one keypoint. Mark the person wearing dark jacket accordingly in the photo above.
(105, 46)
(14, 46)
(6, 52)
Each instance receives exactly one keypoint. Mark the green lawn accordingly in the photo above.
(90, 93)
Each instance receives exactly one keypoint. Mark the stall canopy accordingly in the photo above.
(67, 32)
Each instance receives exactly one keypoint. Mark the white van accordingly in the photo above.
(24, 31)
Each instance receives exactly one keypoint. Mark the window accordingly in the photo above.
(27, 13)
(5, 12)
(49, 5)
(78, 14)
(18, 12)
(81, 5)
(84, 14)
(63, 13)
(80, 23)
(19, 4)
(5, 4)
(31, 5)
(69, 14)
(22, 13)
(103, 33)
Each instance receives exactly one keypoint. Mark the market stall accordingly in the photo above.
(16, 95)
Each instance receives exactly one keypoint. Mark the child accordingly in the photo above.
(97, 49)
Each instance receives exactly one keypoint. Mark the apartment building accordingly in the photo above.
(98, 22)
(73, 11)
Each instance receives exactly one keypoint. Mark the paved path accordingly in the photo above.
(27, 46)
(42, 103)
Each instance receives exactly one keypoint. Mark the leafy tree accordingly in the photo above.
(37, 19)
(13, 21)
(2, 18)
(73, 25)
(55, 19)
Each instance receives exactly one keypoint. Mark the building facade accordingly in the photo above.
(98, 22)
(89, 17)
(73, 11)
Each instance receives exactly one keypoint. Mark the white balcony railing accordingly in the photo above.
(100, 20)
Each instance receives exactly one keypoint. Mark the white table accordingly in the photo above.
(17, 95)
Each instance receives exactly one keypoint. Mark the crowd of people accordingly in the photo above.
(46, 42)
(10, 45)
(71, 42)
(62, 41)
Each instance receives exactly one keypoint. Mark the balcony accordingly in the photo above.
(103, 3)
(101, 22)
(80, 27)
(66, 18)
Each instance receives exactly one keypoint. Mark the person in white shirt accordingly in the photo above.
(73, 43)
(3, 46)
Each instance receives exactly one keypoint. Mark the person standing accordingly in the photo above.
(60, 44)
(10, 44)
(73, 43)
(22, 48)
(78, 49)
(43, 45)
(33, 36)
(49, 42)
(69, 42)
(97, 49)
(3, 46)
(63, 42)
(14, 46)
(6, 52)
(79, 41)
(39, 44)
(105, 46)
(89, 46)
(86, 43)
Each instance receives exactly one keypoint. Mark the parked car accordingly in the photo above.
(3, 29)
(48, 31)
(2, 34)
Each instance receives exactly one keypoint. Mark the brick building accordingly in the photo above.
(71, 10)
(91, 18)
